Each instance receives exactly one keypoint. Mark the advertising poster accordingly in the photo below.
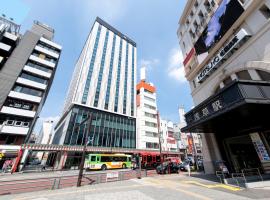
(259, 146)
(222, 20)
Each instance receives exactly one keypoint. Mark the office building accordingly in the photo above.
(28, 66)
(102, 87)
(147, 118)
(226, 60)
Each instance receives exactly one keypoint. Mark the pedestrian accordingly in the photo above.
(188, 169)
(5, 166)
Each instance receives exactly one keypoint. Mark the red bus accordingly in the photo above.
(153, 159)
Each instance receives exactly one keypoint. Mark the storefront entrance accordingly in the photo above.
(241, 153)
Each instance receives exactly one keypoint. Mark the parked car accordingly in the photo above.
(183, 166)
(167, 167)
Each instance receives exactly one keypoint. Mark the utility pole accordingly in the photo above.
(159, 135)
(89, 119)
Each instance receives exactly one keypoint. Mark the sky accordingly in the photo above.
(152, 24)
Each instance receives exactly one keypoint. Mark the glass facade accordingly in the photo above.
(90, 71)
(118, 78)
(107, 98)
(125, 85)
(107, 129)
(132, 84)
(101, 69)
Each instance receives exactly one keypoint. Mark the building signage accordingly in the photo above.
(259, 146)
(208, 109)
(216, 61)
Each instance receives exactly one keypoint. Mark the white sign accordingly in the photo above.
(112, 175)
(213, 64)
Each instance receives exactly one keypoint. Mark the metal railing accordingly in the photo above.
(52, 183)
(251, 172)
(220, 175)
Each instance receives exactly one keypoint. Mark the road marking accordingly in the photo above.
(173, 185)
(228, 187)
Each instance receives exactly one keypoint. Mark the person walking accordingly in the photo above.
(188, 168)
(5, 166)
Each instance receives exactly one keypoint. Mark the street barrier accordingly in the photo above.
(53, 183)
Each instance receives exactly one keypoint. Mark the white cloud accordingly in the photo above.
(149, 63)
(176, 67)
(107, 9)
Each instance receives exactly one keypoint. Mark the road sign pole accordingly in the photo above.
(89, 119)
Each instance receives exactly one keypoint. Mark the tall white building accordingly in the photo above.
(147, 124)
(103, 86)
(226, 52)
(168, 139)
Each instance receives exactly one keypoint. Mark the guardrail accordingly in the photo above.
(251, 173)
(52, 183)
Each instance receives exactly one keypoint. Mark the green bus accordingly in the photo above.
(107, 161)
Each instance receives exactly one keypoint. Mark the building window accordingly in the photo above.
(149, 115)
(150, 124)
(207, 6)
(27, 90)
(20, 104)
(196, 4)
(192, 35)
(101, 69)
(265, 11)
(152, 145)
(149, 99)
(227, 80)
(151, 134)
(33, 78)
(118, 77)
(194, 84)
(108, 90)
(107, 129)
(90, 70)
(149, 106)
(265, 76)
(243, 75)
(125, 82)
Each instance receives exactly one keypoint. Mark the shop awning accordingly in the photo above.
(240, 106)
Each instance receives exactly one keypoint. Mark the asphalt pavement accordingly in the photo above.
(168, 187)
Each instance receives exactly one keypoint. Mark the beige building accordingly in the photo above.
(226, 49)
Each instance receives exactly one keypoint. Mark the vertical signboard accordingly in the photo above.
(259, 146)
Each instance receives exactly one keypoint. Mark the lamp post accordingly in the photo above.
(86, 140)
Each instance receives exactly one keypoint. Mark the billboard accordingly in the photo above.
(221, 21)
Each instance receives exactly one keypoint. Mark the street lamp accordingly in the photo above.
(86, 141)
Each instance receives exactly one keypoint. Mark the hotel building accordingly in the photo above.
(103, 86)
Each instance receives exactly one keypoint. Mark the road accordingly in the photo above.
(168, 187)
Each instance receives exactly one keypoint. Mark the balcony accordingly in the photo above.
(30, 83)
(42, 61)
(50, 43)
(19, 95)
(36, 71)
(46, 51)
(14, 130)
(18, 112)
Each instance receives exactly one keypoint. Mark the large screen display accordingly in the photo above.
(221, 21)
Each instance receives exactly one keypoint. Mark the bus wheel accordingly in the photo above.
(124, 166)
(103, 167)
